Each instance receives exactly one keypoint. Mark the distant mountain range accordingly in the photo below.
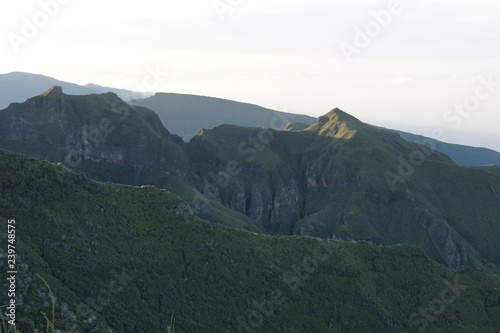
(339, 178)
(460, 154)
(19, 86)
(184, 114)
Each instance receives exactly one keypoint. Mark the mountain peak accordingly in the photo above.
(342, 116)
(337, 123)
(339, 117)
(52, 92)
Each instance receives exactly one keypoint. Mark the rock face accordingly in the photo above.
(453, 254)
(270, 206)
(276, 208)
(31, 121)
(93, 129)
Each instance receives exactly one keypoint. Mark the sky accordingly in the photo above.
(427, 67)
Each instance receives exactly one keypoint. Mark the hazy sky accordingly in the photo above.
(416, 65)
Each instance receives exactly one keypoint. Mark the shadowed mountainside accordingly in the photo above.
(125, 258)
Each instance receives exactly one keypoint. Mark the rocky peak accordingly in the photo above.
(53, 94)
(338, 124)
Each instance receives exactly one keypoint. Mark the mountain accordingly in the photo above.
(344, 179)
(126, 95)
(110, 141)
(19, 86)
(96, 257)
(186, 114)
(460, 154)
(339, 178)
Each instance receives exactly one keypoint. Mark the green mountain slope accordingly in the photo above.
(186, 114)
(344, 179)
(124, 258)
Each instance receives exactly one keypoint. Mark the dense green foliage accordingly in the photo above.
(125, 258)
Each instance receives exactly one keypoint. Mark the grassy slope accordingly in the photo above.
(131, 256)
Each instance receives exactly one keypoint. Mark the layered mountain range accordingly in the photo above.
(338, 179)
(404, 238)
(19, 86)
(185, 114)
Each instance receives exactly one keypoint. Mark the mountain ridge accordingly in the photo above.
(16, 87)
(110, 141)
(186, 114)
(460, 154)
(316, 182)
(27, 86)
